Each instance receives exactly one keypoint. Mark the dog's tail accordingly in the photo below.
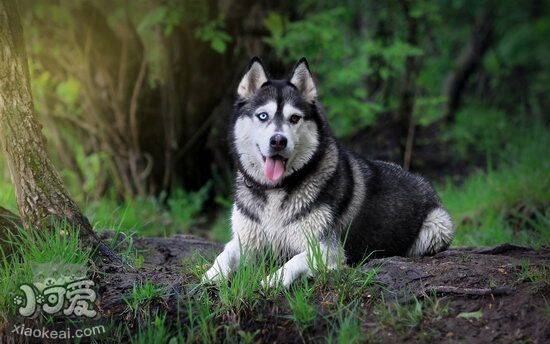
(436, 234)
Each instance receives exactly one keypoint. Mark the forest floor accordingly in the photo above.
(477, 295)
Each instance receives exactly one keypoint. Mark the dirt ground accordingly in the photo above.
(498, 294)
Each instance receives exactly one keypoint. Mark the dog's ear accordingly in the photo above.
(303, 80)
(253, 79)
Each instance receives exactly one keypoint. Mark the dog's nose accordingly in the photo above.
(278, 142)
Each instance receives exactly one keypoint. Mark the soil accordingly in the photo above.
(507, 286)
(477, 295)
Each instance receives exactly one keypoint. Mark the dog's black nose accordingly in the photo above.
(278, 142)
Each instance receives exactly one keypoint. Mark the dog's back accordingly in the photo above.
(401, 214)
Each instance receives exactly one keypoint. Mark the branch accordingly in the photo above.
(444, 289)
(134, 103)
(502, 249)
(191, 142)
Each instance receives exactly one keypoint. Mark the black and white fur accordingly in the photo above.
(351, 207)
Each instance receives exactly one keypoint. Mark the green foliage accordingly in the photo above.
(347, 327)
(200, 313)
(7, 191)
(39, 246)
(409, 316)
(221, 228)
(68, 91)
(87, 185)
(534, 274)
(324, 38)
(7, 195)
(366, 52)
(402, 318)
(184, 206)
(155, 333)
(147, 216)
(171, 16)
(142, 294)
(213, 33)
(166, 16)
(246, 282)
(485, 207)
(470, 133)
(300, 300)
(471, 315)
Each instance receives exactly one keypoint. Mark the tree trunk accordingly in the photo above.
(40, 193)
(468, 62)
(407, 97)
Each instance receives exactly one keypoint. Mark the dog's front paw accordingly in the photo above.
(212, 275)
(269, 282)
(276, 279)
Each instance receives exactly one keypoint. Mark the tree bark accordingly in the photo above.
(407, 96)
(40, 193)
(468, 62)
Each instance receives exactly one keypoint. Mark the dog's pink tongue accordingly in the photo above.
(273, 169)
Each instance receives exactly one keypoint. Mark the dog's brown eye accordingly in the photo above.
(294, 119)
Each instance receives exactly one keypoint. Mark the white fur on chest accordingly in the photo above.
(274, 230)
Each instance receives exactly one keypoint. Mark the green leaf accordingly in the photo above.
(154, 17)
(68, 91)
(214, 33)
(275, 23)
(469, 315)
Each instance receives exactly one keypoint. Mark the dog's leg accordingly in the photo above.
(226, 261)
(331, 256)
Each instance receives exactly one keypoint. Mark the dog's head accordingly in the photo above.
(277, 126)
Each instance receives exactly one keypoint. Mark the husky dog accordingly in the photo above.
(295, 184)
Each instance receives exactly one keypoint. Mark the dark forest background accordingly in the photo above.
(135, 98)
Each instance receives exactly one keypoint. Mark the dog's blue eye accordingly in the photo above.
(262, 116)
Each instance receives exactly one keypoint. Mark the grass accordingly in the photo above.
(201, 315)
(221, 228)
(402, 318)
(206, 303)
(55, 250)
(546, 310)
(509, 203)
(155, 333)
(7, 196)
(405, 318)
(245, 286)
(300, 301)
(148, 216)
(534, 274)
(351, 283)
(210, 307)
(142, 294)
(347, 326)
